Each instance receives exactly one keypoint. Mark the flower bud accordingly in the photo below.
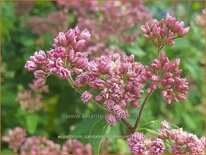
(111, 119)
(30, 66)
(184, 32)
(60, 40)
(135, 104)
(86, 96)
(39, 74)
(79, 45)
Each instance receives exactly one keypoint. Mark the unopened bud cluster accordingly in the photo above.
(167, 75)
(164, 32)
(66, 54)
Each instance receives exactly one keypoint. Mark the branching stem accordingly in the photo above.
(141, 109)
(124, 120)
(146, 98)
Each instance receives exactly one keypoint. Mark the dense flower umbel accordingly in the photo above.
(56, 21)
(181, 141)
(15, 138)
(167, 76)
(31, 99)
(119, 81)
(164, 32)
(156, 147)
(76, 147)
(177, 140)
(139, 144)
(127, 15)
(41, 145)
(63, 60)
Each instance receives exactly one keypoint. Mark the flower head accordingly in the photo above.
(174, 87)
(118, 79)
(67, 52)
(157, 147)
(30, 66)
(86, 96)
(15, 138)
(181, 141)
(164, 32)
(111, 119)
(40, 145)
(73, 146)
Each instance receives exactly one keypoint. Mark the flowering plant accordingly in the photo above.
(116, 82)
(18, 140)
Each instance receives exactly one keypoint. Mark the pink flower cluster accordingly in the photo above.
(31, 99)
(41, 145)
(139, 144)
(167, 76)
(55, 22)
(119, 81)
(22, 8)
(199, 19)
(79, 7)
(181, 141)
(75, 147)
(15, 138)
(164, 32)
(115, 79)
(177, 140)
(127, 15)
(64, 59)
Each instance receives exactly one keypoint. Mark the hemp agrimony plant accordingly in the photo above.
(116, 81)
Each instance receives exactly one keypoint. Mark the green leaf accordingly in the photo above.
(98, 131)
(152, 124)
(137, 51)
(31, 122)
(197, 5)
(153, 127)
(7, 151)
(189, 121)
(151, 131)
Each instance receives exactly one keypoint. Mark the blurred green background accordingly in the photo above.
(19, 42)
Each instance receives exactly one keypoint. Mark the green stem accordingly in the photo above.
(124, 120)
(146, 98)
(128, 125)
(141, 109)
